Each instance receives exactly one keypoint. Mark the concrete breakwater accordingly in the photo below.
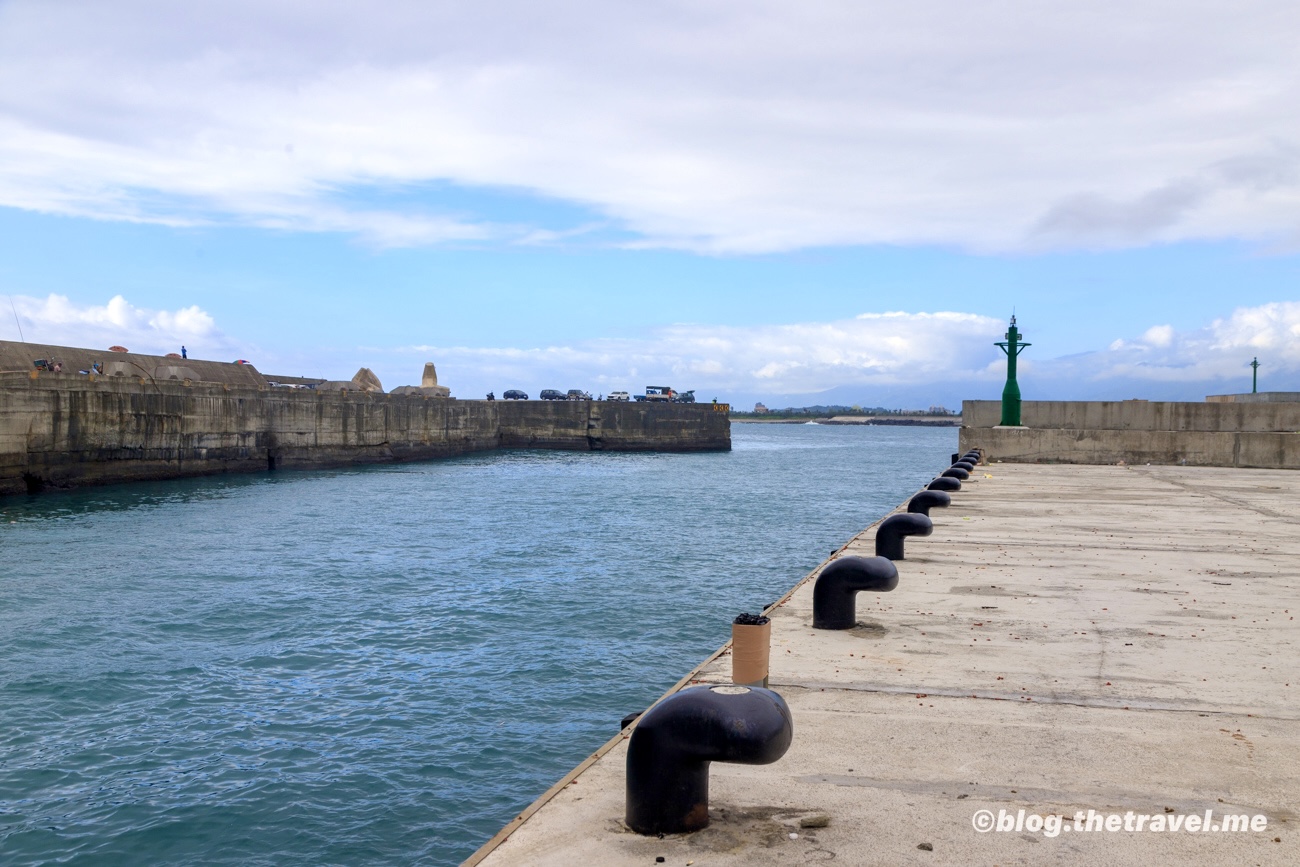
(63, 430)
(1220, 433)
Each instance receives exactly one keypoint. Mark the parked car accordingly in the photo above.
(552, 394)
(685, 397)
(619, 395)
(578, 394)
(515, 394)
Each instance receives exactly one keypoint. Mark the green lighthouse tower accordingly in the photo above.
(1011, 393)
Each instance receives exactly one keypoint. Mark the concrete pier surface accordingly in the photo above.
(1070, 639)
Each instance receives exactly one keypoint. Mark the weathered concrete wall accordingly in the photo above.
(1139, 415)
(67, 430)
(611, 426)
(1106, 432)
(1256, 397)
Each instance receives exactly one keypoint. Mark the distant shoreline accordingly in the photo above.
(912, 421)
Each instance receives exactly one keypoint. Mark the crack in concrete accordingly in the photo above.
(1021, 698)
(1241, 504)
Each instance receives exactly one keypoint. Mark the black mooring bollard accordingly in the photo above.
(973, 457)
(922, 503)
(892, 531)
(956, 473)
(674, 742)
(968, 466)
(944, 483)
(836, 591)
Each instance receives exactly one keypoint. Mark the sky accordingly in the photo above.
(821, 202)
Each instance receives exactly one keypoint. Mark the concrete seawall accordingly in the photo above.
(1221, 434)
(62, 430)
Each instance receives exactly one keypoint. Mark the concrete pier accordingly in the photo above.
(1121, 640)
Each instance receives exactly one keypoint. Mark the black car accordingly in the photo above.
(578, 394)
(515, 394)
(552, 394)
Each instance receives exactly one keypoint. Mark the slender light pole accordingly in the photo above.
(1254, 376)
(16, 322)
(1011, 393)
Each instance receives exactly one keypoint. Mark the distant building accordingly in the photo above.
(759, 409)
(939, 410)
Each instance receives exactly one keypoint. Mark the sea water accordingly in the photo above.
(384, 665)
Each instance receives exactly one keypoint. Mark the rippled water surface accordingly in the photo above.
(384, 665)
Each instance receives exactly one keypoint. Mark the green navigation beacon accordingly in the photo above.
(1254, 376)
(1011, 393)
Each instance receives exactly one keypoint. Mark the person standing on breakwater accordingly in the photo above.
(184, 354)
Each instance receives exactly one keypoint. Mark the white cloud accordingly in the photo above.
(927, 356)
(728, 127)
(56, 320)
(1219, 352)
(873, 350)
(1159, 335)
(915, 358)
(1271, 327)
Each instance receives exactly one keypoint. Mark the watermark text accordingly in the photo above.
(1091, 822)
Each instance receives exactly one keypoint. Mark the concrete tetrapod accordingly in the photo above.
(922, 503)
(836, 592)
(674, 742)
(944, 483)
(955, 472)
(892, 531)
